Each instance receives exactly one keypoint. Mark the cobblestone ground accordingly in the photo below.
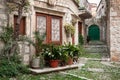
(98, 69)
(90, 69)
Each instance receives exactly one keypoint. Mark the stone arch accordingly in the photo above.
(94, 32)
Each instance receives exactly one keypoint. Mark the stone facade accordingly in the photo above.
(101, 20)
(60, 8)
(115, 30)
(110, 18)
(66, 9)
(85, 14)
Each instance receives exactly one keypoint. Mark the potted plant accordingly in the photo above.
(38, 44)
(69, 29)
(76, 53)
(73, 53)
(53, 54)
(64, 56)
(69, 50)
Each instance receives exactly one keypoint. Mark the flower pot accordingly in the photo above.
(35, 63)
(70, 61)
(54, 63)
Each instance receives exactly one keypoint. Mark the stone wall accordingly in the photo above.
(115, 30)
(3, 18)
(67, 9)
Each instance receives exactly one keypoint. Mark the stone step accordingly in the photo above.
(96, 48)
(48, 70)
(96, 43)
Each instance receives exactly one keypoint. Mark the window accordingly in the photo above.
(51, 25)
(22, 25)
(55, 30)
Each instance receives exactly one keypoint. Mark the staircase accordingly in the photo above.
(95, 47)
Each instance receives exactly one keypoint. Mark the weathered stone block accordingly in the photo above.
(115, 58)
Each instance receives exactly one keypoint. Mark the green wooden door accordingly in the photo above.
(94, 32)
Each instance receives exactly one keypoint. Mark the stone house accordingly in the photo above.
(109, 17)
(101, 19)
(113, 31)
(85, 14)
(46, 16)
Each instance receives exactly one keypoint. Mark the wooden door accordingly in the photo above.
(94, 32)
(80, 27)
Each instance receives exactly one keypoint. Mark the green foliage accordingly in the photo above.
(19, 6)
(53, 52)
(10, 63)
(6, 37)
(8, 69)
(38, 44)
(12, 67)
(69, 28)
(15, 5)
(72, 50)
(81, 41)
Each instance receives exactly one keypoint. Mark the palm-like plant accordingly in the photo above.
(38, 44)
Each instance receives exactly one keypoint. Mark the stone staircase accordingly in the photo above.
(96, 47)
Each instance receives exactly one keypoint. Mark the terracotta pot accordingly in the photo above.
(70, 61)
(54, 63)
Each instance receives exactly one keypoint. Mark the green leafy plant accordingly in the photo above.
(38, 44)
(6, 37)
(72, 50)
(69, 29)
(8, 69)
(20, 7)
(37, 59)
(53, 52)
(12, 67)
(10, 63)
(81, 41)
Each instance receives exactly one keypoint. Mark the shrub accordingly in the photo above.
(12, 67)
(8, 69)
(81, 41)
(10, 62)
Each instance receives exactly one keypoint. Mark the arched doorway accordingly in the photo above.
(94, 32)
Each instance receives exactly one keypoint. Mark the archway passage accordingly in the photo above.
(94, 32)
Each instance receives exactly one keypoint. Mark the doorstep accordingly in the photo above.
(48, 70)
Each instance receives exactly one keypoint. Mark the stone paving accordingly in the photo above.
(95, 69)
